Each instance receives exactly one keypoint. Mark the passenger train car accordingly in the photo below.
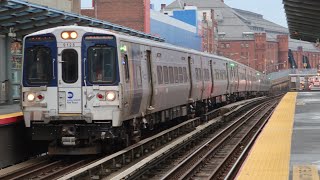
(84, 87)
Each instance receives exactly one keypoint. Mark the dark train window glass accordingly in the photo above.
(176, 78)
(185, 75)
(165, 74)
(160, 78)
(69, 66)
(102, 65)
(206, 75)
(197, 74)
(200, 74)
(171, 75)
(218, 75)
(180, 75)
(126, 67)
(138, 74)
(38, 65)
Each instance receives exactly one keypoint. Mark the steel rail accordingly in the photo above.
(236, 148)
(182, 170)
(236, 166)
(116, 161)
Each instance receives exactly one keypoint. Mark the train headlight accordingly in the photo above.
(65, 35)
(69, 35)
(73, 35)
(111, 96)
(31, 97)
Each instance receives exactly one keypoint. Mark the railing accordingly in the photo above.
(285, 73)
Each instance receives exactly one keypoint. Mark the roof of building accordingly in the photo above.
(303, 18)
(233, 23)
(23, 18)
(307, 46)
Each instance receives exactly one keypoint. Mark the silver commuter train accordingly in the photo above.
(84, 87)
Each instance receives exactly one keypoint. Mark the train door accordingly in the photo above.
(246, 80)
(211, 77)
(228, 78)
(190, 76)
(201, 76)
(150, 81)
(69, 80)
(237, 78)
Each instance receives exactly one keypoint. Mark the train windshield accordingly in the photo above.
(38, 65)
(102, 64)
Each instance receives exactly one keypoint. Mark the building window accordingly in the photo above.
(227, 45)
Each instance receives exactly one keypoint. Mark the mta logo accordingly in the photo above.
(70, 95)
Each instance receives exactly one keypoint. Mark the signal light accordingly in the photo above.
(40, 97)
(100, 96)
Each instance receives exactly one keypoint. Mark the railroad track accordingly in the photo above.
(48, 168)
(112, 166)
(157, 165)
(214, 159)
(135, 161)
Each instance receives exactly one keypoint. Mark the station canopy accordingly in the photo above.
(21, 18)
(303, 18)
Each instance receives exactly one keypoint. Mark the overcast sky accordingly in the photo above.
(272, 10)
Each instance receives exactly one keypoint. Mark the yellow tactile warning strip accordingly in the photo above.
(5, 116)
(305, 172)
(269, 157)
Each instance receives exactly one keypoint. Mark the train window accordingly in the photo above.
(160, 77)
(200, 74)
(70, 65)
(38, 65)
(171, 75)
(180, 75)
(197, 74)
(185, 75)
(102, 66)
(139, 79)
(207, 75)
(126, 67)
(176, 78)
(216, 74)
(165, 74)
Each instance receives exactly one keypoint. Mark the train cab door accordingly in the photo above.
(69, 79)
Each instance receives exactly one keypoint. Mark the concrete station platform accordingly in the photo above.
(10, 114)
(13, 140)
(289, 145)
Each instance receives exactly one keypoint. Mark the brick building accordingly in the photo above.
(250, 39)
(241, 35)
(130, 13)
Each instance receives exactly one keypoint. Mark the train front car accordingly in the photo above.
(71, 88)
